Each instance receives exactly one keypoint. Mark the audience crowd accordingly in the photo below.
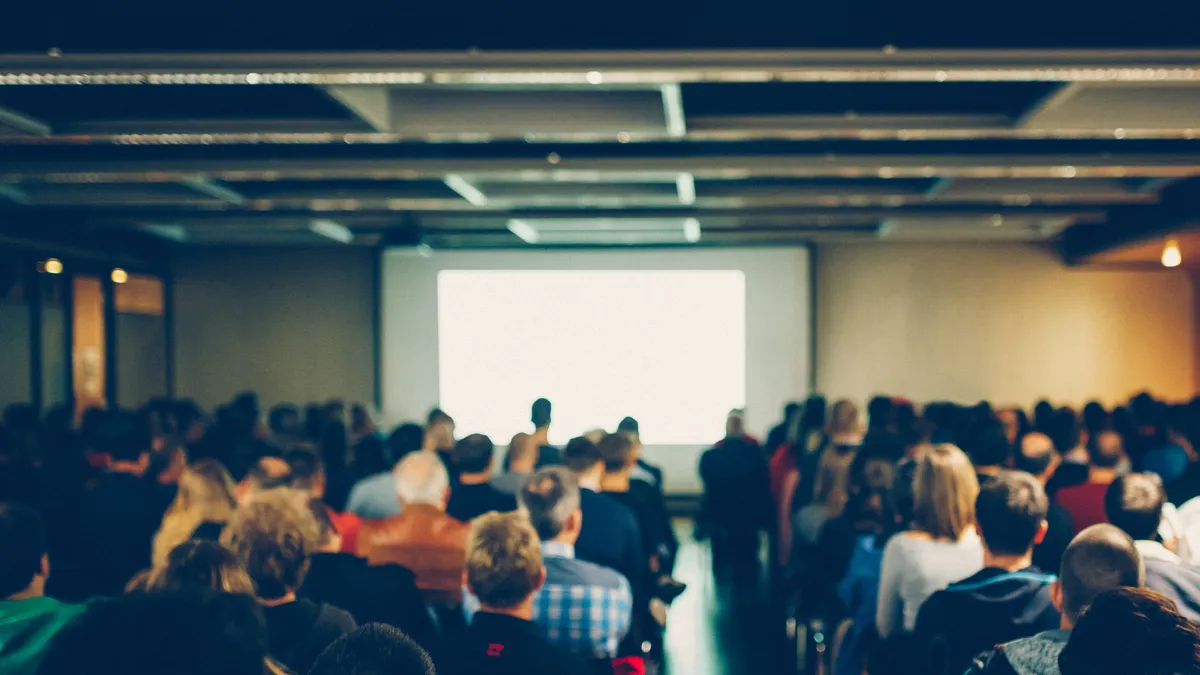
(942, 539)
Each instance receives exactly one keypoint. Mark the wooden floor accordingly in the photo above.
(715, 630)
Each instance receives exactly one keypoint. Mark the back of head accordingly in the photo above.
(201, 565)
(306, 471)
(987, 445)
(1036, 453)
(581, 455)
(23, 543)
(124, 436)
(628, 425)
(1062, 426)
(1132, 631)
(521, 450)
(1098, 559)
(167, 633)
(1095, 417)
(268, 473)
(504, 560)
(831, 488)
(421, 478)
(1105, 449)
(871, 475)
(844, 419)
(1010, 510)
(617, 450)
(284, 419)
(473, 454)
(735, 424)
(272, 537)
(902, 495)
(373, 649)
(944, 492)
(879, 411)
(549, 497)
(1134, 502)
(405, 439)
(540, 413)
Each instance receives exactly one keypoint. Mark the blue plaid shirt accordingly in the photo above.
(584, 608)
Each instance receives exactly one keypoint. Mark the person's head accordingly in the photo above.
(201, 564)
(540, 414)
(284, 420)
(504, 561)
(306, 471)
(879, 412)
(1134, 502)
(522, 453)
(987, 445)
(439, 431)
(1036, 455)
(421, 478)
(871, 476)
(272, 537)
(628, 425)
(944, 492)
(24, 565)
(902, 497)
(619, 452)
(1105, 450)
(473, 455)
(1062, 426)
(551, 499)
(1010, 420)
(373, 649)
(735, 424)
(1098, 559)
(206, 493)
(844, 418)
(329, 540)
(1132, 631)
(1010, 513)
(125, 437)
(404, 440)
(266, 473)
(791, 410)
(831, 488)
(583, 457)
(186, 632)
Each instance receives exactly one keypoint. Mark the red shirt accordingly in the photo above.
(347, 525)
(783, 462)
(1085, 503)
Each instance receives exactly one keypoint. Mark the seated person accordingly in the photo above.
(644, 471)
(307, 473)
(609, 536)
(1036, 455)
(584, 608)
(1134, 502)
(385, 594)
(1009, 598)
(504, 570)
(1085, 502)
(199, 564)
(474, 494)
(28, 619)
(375, 496)
(373, 649)
(519, 462)
(422, 538)
(1132, 631)
(191, 632)
(620, 453)
(272, 536)
(1098, 559)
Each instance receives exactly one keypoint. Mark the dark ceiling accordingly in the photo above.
(484, 149)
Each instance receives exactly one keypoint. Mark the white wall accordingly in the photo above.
(777, 327)
(293, 324)
(1007, 323)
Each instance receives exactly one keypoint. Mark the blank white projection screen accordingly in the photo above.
(667, 347)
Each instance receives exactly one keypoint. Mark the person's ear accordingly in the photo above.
(446, 497)
(1041, 533)
(45, 566)
(575, 521)
(1056, 595)
(541, 579)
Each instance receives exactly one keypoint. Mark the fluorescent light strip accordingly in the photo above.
(523, 230)
(466, 189)
(332, 230)
(685, 185)
(691, 230)
(672, 97)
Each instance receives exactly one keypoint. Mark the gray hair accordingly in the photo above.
(421, 478)
(550, 496)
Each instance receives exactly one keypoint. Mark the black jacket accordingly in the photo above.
(468, 502)
(371, 594)
(117, 521)
(737, 490)
(299, 631)
(497, 644)
(974, 615)
(1060, 528)
(1037, 655)
(610, 536)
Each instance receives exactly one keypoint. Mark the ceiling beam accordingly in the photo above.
(370, 104)
(215, 189)
(22, 123)
(13, 193)
(1177, 211)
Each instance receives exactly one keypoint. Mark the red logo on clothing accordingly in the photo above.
(494, 650)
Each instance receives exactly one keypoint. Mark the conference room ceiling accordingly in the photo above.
(507, 149)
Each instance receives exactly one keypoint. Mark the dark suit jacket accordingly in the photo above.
(380, 594)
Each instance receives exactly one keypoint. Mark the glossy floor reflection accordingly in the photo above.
(715, 630)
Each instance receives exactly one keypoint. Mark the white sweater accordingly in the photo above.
(915, 568)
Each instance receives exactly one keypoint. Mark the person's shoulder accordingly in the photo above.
(583, 572)
(333, 619)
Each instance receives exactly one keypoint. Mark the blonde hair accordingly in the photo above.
(206, 493)
(944, 492)
(200, 564)
(844, 418)
(832, 485)
(504, 559)
(272, 537)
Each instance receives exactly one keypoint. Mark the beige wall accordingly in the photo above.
(1007, 323)
(292, 324)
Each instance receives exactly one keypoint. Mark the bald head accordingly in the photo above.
(1106, 449)
(421, 478)
(522, 453)
(1037, 455)
(1100, 558)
